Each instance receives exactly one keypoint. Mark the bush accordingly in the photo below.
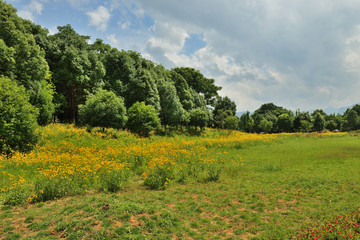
(231, 122)
(142, 119)
(199, 118)
(18, 118)
(104, 109)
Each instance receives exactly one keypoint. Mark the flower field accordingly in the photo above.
(70, 160)
(82, 184)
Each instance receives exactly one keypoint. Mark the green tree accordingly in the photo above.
(199, 117)
(299, 117)
(142, 119)
(77, 70)
(43, 100)
(352, 119)
(319, 122)
(319, 111)
(231, 122)
(219, 118)
(265, 125)
(17, 118)
(120, 71)
(356, 108)
(223, 105)
(23, 61)
(199, 83)
(172, 112)
(183, 90)
(330, 125)
(246, 123)
(7, 60)
(305, 126)
(270, 116)
(198, 99)
(270, 112)
(272, 108)
(143, 88)
(284, 123)
(104, 109)
(337, 119)
(101, 47)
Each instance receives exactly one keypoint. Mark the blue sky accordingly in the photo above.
(297, 54)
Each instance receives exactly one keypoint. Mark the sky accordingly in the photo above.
(298, 54)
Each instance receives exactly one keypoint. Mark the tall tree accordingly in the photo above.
(198, 99)
(23, 61)
(221, 116)
(356, 108)
(172, 112)
(200, 83)
(77, 69)
(142, 88)
(299, 119)
(319, 122)
(246, 123)
(274, 109)
(17, 118)
(183, 90)
(120, 71)
(284, 123)
(352, 119)
(223, 104)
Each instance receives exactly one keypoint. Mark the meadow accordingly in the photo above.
(79, 184)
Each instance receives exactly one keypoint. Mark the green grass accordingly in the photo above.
(283, 186)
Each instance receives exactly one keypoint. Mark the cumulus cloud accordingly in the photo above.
(34, 7)
(99, 18)
(297, 53)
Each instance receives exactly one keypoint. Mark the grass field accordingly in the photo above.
(220, 185)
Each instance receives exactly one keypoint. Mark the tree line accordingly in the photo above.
(63, 78)
(270, 118)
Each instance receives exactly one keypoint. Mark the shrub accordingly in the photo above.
(199, 117)
(231, 122)
(18, 118)
(104, 109)
(112, 181)
(142, 119)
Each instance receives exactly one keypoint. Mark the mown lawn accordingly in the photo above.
(290, 183)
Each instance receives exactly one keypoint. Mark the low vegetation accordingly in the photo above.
(104, 184)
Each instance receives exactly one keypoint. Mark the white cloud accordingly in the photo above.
(298, 54)
(34, 7)
(99, 18)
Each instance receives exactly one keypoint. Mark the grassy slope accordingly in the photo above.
(282, 187)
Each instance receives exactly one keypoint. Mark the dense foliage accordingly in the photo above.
(17, 118)
(104, 109)
(23, 60)
(142, 119)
